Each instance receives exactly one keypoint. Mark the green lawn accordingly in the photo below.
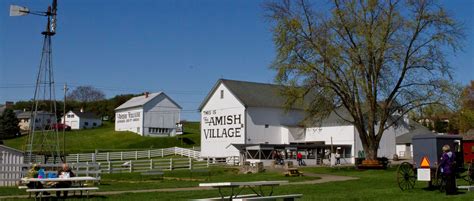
(372, 185)
(105, 138)
(173, 179)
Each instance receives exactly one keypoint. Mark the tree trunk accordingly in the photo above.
(370, 145)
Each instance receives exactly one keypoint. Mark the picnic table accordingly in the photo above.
(78, 181)
(254, 186)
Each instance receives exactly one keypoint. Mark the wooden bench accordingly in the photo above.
(226, 198)
(276, 197)
(42, 190)
(201, 171)
(154, 172)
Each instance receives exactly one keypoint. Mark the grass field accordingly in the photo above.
(105, 138)
(173, 179)
(371, 185)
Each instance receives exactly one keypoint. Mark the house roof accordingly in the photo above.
(85, 115)
(415, 129)
(469, 135)
(142, 100)
(2, 108)
(10, 149)
(27, 114)
(252, 94)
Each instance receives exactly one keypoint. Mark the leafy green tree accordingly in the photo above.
(371, 58)
(466, 116)
(8, 124)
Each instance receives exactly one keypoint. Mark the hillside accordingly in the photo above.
(105, 138)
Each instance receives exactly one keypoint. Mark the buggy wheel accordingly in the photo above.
(406, 177)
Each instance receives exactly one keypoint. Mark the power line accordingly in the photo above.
(106, 88)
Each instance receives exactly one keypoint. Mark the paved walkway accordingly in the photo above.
(323, 179)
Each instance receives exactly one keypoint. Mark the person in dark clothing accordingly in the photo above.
(64, 172)
(447, 165)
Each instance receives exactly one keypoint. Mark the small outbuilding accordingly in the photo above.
(154, 114)
(9, 173)
(81, 119)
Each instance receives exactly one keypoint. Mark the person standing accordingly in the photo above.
(338, 158)
(299, 158)
(448, 168)
(64, 172)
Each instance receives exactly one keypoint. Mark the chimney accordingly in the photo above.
(9, 104)
(82, 110)
(146, 94)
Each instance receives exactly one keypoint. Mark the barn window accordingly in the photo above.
(222, 94)
(94, 124)
(266, 125)
(86, 123)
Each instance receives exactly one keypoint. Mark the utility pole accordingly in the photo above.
(64, 123)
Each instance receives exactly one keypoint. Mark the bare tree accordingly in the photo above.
(372, 58)
(86, 94)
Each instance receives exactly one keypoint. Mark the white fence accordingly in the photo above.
(133, 155)
(152, 164)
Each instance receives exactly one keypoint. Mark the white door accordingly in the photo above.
(74, 125)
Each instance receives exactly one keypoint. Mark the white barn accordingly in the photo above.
(80, 119)
(154, 114)
(248, 119)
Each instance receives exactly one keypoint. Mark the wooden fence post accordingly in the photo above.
(131, 166)
(151, 164)
(110, 167)
(149, 154)
(136, 155)
(121, 156)
(171, 163)
(108, 156)
(87, 168)
(190, 164)
(162, 153)
(77, 157)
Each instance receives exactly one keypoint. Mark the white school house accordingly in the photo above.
(248, 120)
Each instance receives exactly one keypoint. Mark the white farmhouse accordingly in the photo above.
(154, 114)
(248, 120)
(43, 119)
(80, 119)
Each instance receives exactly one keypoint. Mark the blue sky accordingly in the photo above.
(180, 47)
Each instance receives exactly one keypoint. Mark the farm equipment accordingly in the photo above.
(426, 155)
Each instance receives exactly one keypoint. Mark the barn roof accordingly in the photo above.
(140, 101)
(252, 94)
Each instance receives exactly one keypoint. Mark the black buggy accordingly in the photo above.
(426, 155)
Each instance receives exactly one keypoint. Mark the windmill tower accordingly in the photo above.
(42, 144)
